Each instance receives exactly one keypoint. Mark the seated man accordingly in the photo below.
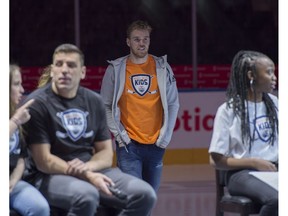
(71, 145)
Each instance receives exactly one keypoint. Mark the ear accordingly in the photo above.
(83, 74)
(250, 75)
(128, 42)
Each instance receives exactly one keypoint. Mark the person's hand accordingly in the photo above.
(264, 165)
(76, 167)
(22, 115)
(100, 181)
(12, 184)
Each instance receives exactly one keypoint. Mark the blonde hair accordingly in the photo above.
(138, 25)
(45, 77)
(12, 106)
(12, 69)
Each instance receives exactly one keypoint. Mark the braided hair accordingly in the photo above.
(237, 92)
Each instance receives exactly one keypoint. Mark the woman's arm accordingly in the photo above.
(227, 163)
(17, 173)
(20, 117)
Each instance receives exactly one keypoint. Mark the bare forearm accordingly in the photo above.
(17, 173)
(100, 160)
(52, 165)
(228, 163)
(103, 157)
(235, 163)
(47, 162)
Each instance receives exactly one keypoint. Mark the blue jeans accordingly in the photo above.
(144, 161)
(242, 183)
(28, 201)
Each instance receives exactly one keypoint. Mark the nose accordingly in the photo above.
(64, 68)
(21, 89)
(141, 42)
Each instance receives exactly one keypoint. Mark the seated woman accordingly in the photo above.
(24, 198)
(245, 134)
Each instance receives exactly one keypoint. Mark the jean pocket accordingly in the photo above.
(159, 148)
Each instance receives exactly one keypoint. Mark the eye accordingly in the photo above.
(18, 83)
(58, 63)
(71, 64)
(270, 71)
(146, 39)
(137, 40)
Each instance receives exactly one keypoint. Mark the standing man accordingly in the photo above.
(141, 99)
(71, 144)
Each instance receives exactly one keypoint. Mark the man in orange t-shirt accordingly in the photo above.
(141, 98)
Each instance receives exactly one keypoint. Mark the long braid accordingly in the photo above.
(272, 115)
(237, 91)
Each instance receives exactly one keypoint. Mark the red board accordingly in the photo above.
(208, 77)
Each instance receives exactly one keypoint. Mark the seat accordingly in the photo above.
(114, 209)
(13, 213)
(101, 211)
(234, 204)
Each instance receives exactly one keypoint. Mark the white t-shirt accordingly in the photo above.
(227, 139)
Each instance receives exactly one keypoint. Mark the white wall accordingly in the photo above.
(194, 124)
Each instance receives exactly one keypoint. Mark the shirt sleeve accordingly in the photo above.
(37, 127)
(221, 135)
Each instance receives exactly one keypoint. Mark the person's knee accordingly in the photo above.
(273, 203)
(42, 208)
(86, 197)
(149, 195)
(270, 207)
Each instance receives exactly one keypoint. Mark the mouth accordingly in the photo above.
(64, 79)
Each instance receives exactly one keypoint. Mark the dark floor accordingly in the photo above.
(187, 190)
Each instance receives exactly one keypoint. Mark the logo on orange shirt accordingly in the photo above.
(141, 84)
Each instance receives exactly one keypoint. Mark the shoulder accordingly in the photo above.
(225, 110)
(39, 94)
(118, 60)
(89, 93)
(162, 60)
(223, 107)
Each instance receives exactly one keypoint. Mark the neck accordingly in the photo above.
(254, 96)
(63, 92)
(138, 60)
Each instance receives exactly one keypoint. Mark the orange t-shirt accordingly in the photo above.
(140, 103)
